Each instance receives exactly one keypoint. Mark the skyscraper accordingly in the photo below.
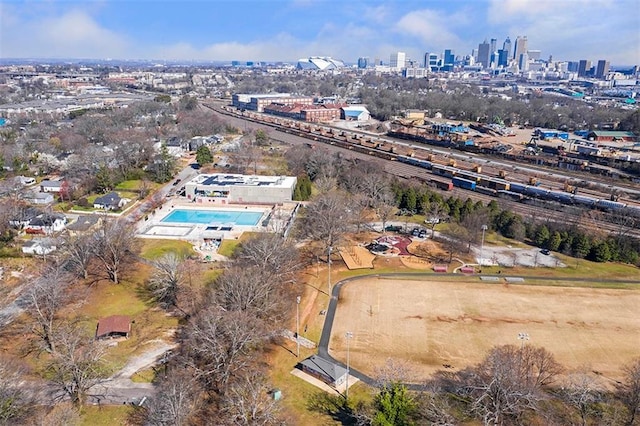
(602, 68)
(363, 62)
(523, 62)
(503, 58)
(520, 47)
(397, 61)
(484, 54)
(506, 46)
(431, 61)
(449, 57)
(583, 67)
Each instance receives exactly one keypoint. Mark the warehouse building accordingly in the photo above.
(225, 188)
(257, 102)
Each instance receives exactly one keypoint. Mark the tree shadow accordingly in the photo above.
(332, 405)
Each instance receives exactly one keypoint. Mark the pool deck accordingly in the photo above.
(153, 227)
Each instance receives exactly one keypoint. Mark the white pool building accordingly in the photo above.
(225, 188)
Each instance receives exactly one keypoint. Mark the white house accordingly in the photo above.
(39, 246)
(46, 223)
(51, 185)
(40, 198)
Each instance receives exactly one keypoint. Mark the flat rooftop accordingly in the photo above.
(223, 179)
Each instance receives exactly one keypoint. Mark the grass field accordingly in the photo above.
(430, 323)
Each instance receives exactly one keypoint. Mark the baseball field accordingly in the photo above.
(429, 325)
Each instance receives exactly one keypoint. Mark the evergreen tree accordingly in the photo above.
(393, 406)
(203, 155)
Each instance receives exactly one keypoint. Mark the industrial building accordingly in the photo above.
(257, 102)
(225, 188)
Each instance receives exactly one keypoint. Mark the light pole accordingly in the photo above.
(349, 336)
(298, 326)
(329, 276)
(484, 228)
(523, 337)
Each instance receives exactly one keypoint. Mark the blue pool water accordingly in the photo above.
(213, 216)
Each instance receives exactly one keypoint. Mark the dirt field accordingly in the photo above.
(431, 324)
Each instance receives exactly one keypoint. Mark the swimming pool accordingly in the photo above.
(244, 218)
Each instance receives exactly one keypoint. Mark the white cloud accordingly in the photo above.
(432, 28)
(71, 34)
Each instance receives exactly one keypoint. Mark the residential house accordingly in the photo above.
(46, 223)
(110, 201)
(84, 223)
(51, 185)
(41, 198)
(39, 246)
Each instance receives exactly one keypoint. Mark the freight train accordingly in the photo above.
(503, 188)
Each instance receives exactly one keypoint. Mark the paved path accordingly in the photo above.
(120, 389)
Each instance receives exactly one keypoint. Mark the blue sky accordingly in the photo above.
(286, 30)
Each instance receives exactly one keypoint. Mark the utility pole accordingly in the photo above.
(298, 326)
(329, 276)
(349, 336)
(484, 228)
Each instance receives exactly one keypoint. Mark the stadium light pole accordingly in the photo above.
(484, 229)
(298, 326)
(523, 337)
(329, 275)
(349, 336)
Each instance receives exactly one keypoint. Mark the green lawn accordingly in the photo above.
(154, 248)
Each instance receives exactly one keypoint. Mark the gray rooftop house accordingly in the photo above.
(327, 371)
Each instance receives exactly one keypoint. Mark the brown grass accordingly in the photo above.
(431, 323)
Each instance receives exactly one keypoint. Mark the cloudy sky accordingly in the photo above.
(286, 30)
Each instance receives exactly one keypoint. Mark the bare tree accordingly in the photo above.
(325, 219)
(454, 239)
(77, 365)
(166, 280)
(252, 290)
(46, 296)
(16, 397)
(628, 390)
(272, 254)
(114, 245)
(219, 344)
(175, 401)
(248, 402)
(582, 390)
(508, 382)
(77, 251)
(385, 207)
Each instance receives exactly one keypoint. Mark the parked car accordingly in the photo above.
(545, 251)
(177, 182)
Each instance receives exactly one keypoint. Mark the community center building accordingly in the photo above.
(226, 188)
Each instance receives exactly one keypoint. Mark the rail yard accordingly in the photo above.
(450, 165)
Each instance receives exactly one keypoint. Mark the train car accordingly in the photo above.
(441, 170)
(484, 190)
(534, 191)
(464, 174)
(445, 185)
(561, 197)
(415, 161)
(582, 199)
(464, 183)
(495, 183)
(510, 195)
(610, 205)
(517, 187)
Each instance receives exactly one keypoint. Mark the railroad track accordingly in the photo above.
(550, 211)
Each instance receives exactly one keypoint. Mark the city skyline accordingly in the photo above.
(282, 30)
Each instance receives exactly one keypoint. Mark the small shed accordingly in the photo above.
(113, 327)
(325, 370)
